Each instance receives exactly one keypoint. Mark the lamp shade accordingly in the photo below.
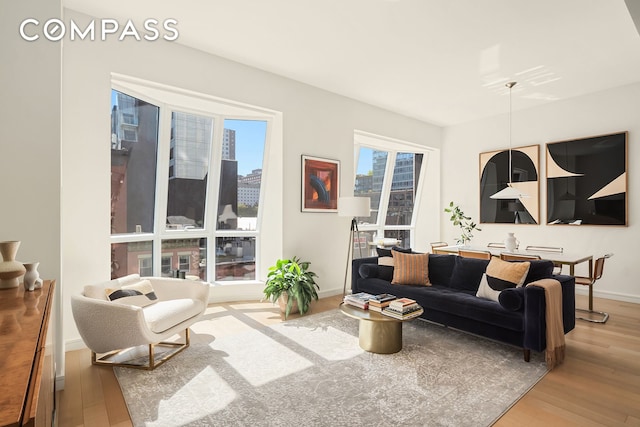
(508, 192)
(354, 206)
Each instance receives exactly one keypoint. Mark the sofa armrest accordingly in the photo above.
(355, 267)
(535, 317)
(97, 320)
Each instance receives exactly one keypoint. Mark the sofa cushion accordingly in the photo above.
(410, 269)
(467, 273)
(501, 275)
(441, 268)
(167, 314)
(97, 291)
(140, 294)
(373, 271)
(539, 269)
(387, 252)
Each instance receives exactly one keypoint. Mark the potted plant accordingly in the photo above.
(465, 223)
(290, 283)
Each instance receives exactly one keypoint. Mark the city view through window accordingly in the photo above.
(196, 222)
(392, 194)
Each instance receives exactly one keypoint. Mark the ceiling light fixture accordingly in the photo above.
(509, 192)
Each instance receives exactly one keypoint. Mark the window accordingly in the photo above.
(184, 262)
(388, 172)
(145, 266)
(167, 267)
(187, 186)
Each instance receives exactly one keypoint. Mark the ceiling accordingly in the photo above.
(441, 61)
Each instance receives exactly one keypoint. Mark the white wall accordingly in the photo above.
(30, 141)
(596, 114)
(316, 123)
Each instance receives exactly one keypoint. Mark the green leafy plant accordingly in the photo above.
(459, 219)
(293, 278)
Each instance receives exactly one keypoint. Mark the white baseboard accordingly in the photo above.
(609, 295)
(77, 344)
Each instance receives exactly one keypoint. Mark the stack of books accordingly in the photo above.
(378, 302)
(403, 309)
(360, 300)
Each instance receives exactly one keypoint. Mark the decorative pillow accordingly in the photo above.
(539, 269)
(387, 252)
(467, 273)
(410, 269)
(386, 260)
(441, 268)
(140, 294)
(512, 299)
(374, 271)
(502, 275)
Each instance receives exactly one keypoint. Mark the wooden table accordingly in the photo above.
(26, 358)
(378, 333)
(563, 258)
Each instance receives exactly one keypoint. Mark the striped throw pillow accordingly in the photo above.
(410, 269)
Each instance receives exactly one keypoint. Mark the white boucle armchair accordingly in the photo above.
(109, 327)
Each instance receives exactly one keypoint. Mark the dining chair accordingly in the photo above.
(557, 267)
(468, 253)
(506, 256)
(436, 245)
(598, 268)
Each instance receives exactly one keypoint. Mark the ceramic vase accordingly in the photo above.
(511, 243)
(10, 269)
(31, 276)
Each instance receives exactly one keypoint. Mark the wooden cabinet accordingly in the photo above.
(27, 363)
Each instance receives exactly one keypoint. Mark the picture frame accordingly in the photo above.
(587, 181)
(320, 184)
(495, 169)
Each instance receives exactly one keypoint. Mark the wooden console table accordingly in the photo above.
(27, 387)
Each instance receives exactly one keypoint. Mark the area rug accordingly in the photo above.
(310, 371)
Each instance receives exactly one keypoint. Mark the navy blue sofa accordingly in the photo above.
(517, 319)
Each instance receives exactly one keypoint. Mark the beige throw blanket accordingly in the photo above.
(554, 353)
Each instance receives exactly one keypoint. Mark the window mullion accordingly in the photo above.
(213, 191)
(162, 186)
(385, 193)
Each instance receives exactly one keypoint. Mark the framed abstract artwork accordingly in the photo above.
(587, 181)
(320, 178)
(525, 176)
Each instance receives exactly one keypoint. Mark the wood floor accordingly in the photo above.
(598, 384)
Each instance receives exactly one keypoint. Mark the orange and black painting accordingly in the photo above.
(319, 184)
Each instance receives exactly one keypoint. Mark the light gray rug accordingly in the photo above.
(310, 371)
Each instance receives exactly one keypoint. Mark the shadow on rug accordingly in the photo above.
(310, 371)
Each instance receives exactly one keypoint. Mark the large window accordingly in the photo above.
(186, 189)
(388, 173)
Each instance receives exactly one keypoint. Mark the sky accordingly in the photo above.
(365, 161)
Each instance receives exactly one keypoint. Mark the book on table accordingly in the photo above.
(360, 300)
(400, 303)
(378, 302)
(380, 298)
(403, 315)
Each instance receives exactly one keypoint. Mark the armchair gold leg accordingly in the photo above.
(110, 359)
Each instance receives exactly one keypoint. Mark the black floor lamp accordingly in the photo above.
(353, 207)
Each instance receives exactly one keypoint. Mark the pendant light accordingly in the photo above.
(509, 192)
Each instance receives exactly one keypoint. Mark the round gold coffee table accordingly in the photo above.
(377, 333)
